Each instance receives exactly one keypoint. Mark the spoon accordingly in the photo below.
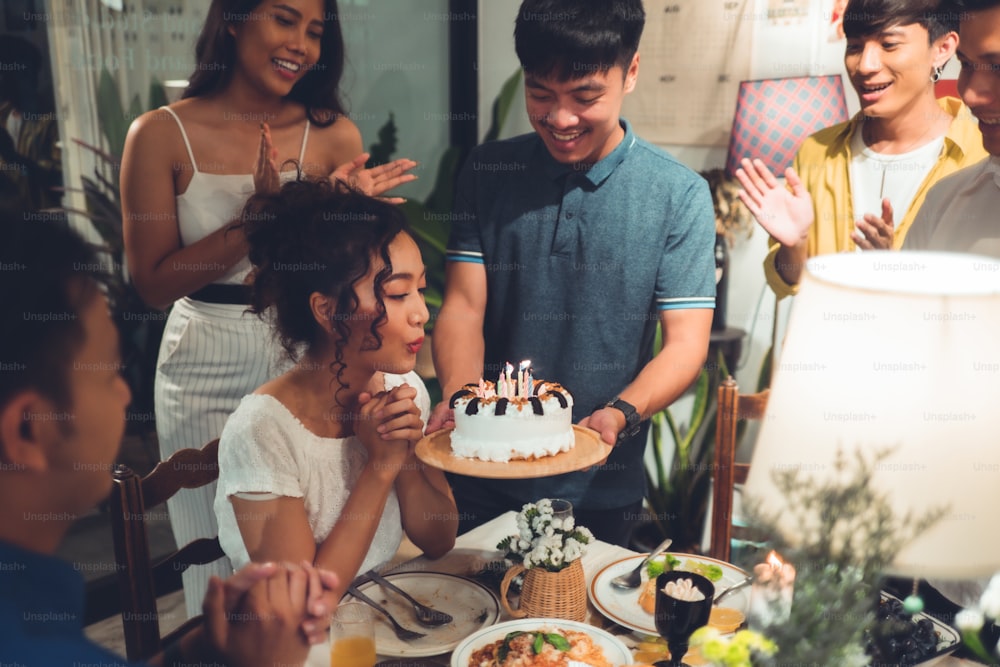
(732, 589)
(634, 578)
(426, 616)
(402, 633)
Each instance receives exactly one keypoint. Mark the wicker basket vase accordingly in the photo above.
(547, 594)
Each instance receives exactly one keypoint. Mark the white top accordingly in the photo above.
(960, 213)
(875, 176)
(264, 448)
(212, 201)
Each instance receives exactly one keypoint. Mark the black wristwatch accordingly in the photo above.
(632, 417)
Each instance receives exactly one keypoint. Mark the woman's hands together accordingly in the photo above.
(389, 426)
(265, 173)
(785, 215)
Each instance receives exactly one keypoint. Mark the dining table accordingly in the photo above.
(476, 549)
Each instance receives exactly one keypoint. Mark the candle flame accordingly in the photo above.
(525, 364)
(774, 560)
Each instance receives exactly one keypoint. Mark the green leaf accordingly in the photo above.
(558, 641)
(502, 106)
(442, 197)
(110, 113)
(505, 646)
(381, 151)
(157, 95)
(539, 643)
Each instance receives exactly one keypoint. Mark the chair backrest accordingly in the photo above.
(140, 581)
(733, 407)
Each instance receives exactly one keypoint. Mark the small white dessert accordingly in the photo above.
(529, 422)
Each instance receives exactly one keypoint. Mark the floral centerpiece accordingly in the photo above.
(544, 540)
(547, 551)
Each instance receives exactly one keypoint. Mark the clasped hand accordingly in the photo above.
(389, 425)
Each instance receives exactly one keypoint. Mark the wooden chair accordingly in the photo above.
(733, 407)
(140, 580)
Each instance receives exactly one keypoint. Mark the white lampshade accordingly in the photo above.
(896, 350)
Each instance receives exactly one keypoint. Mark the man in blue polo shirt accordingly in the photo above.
(568, 246)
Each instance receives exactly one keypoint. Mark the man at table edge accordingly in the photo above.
(568, 246)
(62, 417)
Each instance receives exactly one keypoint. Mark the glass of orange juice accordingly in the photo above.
(352, 636)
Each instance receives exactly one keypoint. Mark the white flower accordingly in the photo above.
(556, 558)
(990, 601)
(568, 523)
(572, 550)
(969, 620)
(557, 524)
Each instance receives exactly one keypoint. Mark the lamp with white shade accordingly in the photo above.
(896, 351)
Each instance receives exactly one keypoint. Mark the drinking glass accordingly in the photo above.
(561, 509)
(352, 636)
(676, 620)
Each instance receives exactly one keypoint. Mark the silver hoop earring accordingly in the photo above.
(936, 74)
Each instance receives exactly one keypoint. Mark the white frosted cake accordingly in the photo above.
(516, 418)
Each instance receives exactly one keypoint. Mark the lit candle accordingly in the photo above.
(522, 377)
(771, 593)
(501, 385)
(509, 369)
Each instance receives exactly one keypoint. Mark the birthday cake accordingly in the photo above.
(518, 417)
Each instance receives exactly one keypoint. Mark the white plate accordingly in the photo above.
(615, 651)
(471, 604)
(623, 608)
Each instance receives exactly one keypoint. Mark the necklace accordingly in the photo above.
(868, 142)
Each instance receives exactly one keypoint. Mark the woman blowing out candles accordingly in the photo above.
(265, 85)
(318, 464)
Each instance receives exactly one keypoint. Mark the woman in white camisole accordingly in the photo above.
(265, 90)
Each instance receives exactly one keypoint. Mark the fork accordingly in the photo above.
(634, 578)
(426, 616)
(402, 633)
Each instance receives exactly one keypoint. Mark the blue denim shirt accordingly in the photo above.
(41, 613)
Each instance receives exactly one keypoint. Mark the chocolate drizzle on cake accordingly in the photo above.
(464, 391)
(473, 406)
(563, 403)
(501, 408)
(536, 405)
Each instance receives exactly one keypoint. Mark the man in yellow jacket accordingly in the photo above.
(858, 185)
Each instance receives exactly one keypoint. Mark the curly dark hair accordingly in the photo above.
(215, 55)
(311, 236)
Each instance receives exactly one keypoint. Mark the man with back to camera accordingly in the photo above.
(62, 416)
(568, 246)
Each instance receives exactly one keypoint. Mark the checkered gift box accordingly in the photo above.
(774, 116)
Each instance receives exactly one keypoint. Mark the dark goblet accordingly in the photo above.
(676, 620)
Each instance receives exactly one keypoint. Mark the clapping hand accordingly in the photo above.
(377, 180)
(873, 232)
(785, 215)
(265, 173)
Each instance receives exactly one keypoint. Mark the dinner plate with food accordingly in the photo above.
(541, 642)
(633, 609)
